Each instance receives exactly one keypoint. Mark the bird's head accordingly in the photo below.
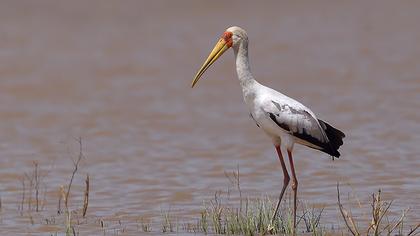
(232, 37)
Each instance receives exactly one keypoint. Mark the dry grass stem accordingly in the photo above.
(146, 225)
(60, 198)
(62, 195)
(28, 194)
(399, 222)
(86, 197)
(31, 184)
(36, 177)
(235, 180)
(413, 231)
(167, 222)
(76, 166)
(346, 216)
(22, 202)
(312, 217)
(380, 210)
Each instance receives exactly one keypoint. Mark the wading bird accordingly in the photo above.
(283, 119)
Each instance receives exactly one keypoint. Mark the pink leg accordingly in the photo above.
(294, 188)
(285, 181)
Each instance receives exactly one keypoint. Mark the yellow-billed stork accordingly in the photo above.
(285, 120)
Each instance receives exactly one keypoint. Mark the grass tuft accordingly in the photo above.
(146, 225)
(380, 210)
(251, 216)
(167, 222)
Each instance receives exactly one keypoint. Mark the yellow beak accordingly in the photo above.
(217, 51)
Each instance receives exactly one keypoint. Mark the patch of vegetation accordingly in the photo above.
(223, 214)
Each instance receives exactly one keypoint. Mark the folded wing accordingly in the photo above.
(306, 128)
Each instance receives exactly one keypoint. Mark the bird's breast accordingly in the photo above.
(257, 106)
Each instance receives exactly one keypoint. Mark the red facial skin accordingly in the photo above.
(227, 36)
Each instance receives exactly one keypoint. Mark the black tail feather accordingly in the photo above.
(335, 138)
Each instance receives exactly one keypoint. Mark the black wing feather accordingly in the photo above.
(326, 138)
(335, 138)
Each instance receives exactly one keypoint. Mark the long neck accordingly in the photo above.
(242, 64)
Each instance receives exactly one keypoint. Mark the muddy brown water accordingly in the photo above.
(118, 75)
